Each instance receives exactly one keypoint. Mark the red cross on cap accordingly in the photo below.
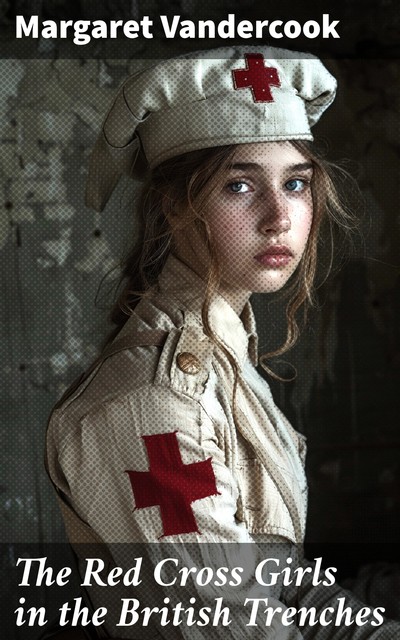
(256, 77)
(171, 484)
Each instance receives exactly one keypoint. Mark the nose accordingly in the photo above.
(275, 215)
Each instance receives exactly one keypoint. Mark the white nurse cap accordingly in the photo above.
(231, 95)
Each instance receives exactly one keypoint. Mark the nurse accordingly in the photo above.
(173, 436)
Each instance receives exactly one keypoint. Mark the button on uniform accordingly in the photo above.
(188, 363)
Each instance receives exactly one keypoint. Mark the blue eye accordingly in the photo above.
(238, 187)
(295, 185)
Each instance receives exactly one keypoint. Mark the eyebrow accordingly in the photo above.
(245, 166)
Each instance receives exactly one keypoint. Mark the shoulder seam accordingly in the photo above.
(103, 405)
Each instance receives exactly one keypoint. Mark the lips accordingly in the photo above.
(276, 255)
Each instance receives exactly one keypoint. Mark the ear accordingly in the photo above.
(174, 214)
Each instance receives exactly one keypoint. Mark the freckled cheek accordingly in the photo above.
(302, 220)
(229, 231)
(305, 223)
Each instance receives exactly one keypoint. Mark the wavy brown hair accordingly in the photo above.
(185, 183)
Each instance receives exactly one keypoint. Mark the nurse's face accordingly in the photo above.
(260, 218)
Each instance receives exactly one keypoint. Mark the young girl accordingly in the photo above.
(173, 436)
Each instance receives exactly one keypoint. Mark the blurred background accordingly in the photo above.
(54, 253)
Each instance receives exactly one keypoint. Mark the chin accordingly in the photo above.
(271, 284)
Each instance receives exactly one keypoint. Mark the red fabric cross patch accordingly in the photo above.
(172, 485)
(257, 77)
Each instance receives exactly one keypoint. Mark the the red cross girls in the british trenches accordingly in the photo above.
(173, 436)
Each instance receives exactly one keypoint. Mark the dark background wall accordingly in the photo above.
(54, 252)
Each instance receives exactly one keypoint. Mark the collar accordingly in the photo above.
(237, 334)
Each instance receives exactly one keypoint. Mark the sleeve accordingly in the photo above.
(146, 473)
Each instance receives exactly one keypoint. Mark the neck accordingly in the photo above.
(236, 298)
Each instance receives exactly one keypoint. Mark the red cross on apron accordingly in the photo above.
(257, 77)
(172, 485)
